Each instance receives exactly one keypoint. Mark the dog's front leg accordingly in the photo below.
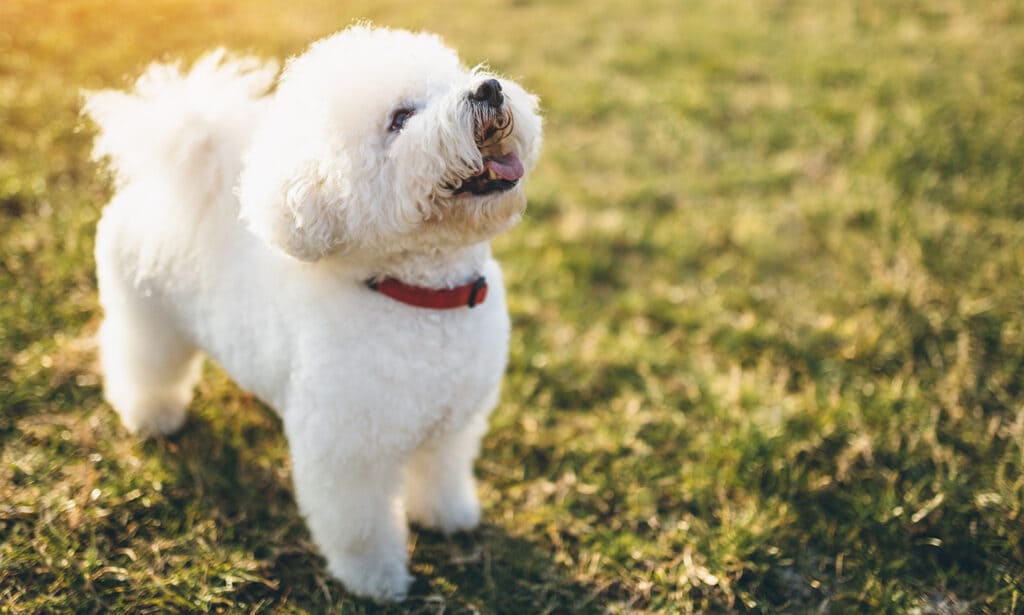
(350, 498)
(439, 489)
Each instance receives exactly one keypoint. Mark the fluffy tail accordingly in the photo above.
(184, 124)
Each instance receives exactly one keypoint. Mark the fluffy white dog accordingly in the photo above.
(327, 244)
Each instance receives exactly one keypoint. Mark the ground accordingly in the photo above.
(768, 348)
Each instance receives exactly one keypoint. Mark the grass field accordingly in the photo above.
(768, 347)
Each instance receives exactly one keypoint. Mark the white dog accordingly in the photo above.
(327, 244)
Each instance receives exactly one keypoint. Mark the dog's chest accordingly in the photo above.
(402, 370)
(444, 355)
(451, 361)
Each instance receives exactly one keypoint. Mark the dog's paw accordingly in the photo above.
(155, 416)
(449, 515)
(378, 578)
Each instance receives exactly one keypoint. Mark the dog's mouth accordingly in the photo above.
(502, 168)
(501, 172)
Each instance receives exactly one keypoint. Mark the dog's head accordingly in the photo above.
(380, 141)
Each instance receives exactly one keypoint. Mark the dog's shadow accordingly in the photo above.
(225, 476)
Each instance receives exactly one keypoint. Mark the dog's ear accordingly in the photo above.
(297, 208)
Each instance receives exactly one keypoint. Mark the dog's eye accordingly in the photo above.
(399, 118)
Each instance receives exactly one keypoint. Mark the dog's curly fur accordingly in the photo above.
(250, 211)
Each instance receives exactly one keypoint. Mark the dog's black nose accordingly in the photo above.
(488, 93)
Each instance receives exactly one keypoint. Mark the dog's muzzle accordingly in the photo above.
(494, 125)
(488, 93)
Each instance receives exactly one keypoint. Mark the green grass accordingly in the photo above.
(768, 348)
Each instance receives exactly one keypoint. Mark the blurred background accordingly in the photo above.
(768, 344)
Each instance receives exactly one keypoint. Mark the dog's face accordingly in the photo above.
(379, 141)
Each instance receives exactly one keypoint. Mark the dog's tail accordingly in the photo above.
(183, 122)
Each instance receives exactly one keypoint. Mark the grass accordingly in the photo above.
(768, 349)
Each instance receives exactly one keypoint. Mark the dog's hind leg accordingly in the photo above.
(149, 369)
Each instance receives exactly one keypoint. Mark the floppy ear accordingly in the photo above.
(299, 210)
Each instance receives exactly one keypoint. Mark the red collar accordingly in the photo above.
(467, 295)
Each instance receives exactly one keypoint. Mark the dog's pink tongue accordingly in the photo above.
(507, 166)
